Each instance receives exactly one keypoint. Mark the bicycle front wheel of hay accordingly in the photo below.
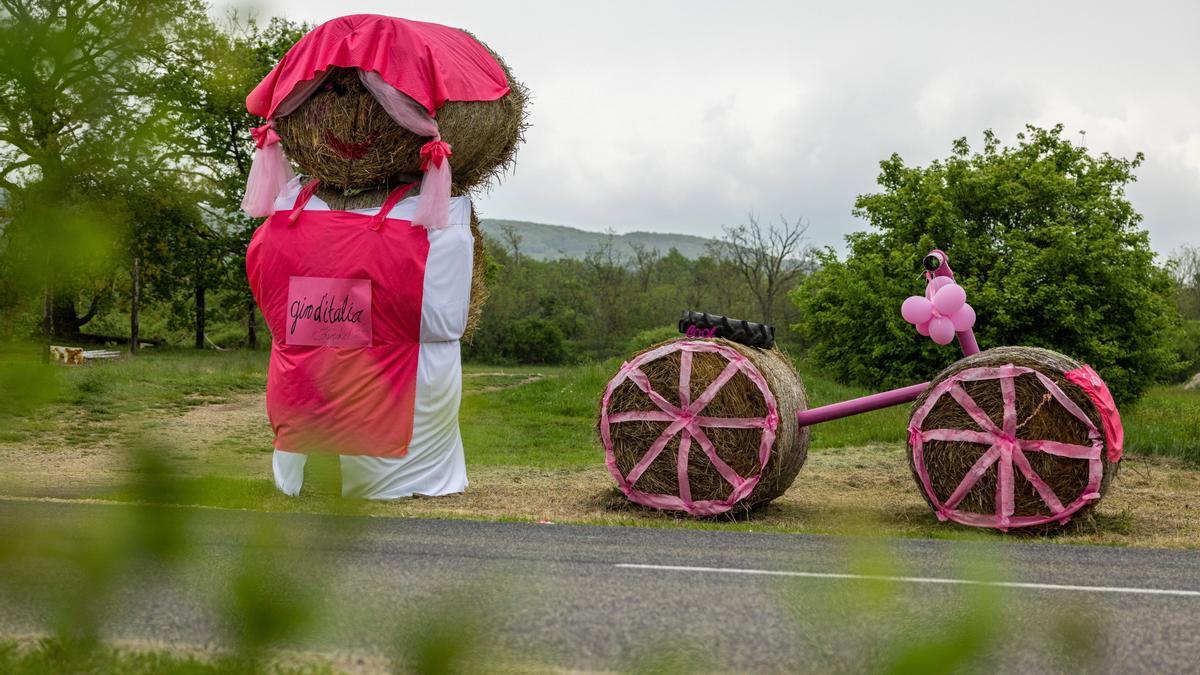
(1009, 439)
(703, 426)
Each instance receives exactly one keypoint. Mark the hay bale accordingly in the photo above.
(1038, 415)
(627, 442)
(343, 117)
(342, 136)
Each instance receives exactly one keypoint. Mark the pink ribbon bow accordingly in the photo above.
(266, 135)
(434, 152)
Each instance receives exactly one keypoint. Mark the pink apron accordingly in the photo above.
(341, 293)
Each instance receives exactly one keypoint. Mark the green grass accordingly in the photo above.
(547, 424)
(99, 393)
(1166, 421)
(506, 418)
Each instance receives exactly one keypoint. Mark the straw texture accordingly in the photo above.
(1039, 416)
(739, 448)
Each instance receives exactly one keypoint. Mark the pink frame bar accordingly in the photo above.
(856, 406)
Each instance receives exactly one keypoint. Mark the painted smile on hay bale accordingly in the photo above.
(348, 150)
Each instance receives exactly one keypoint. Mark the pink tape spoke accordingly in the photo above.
(1044, 491)
(681, 466)
(1005, 504)
(963, 435)
(654, 451)
(1068, 450)
(642, 416)
(976, 472)
(968, 404)
(713, 388)
(685, 378)
(639, 378)
(722, 468)
(1065, 401)
(733, 422)
(1008, 392)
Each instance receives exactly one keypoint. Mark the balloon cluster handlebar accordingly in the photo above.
(943, 311)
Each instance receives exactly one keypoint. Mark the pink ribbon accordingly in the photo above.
(265, 135)
(686, 421)
(1089, 381)
(1005, 451)
(434, 153)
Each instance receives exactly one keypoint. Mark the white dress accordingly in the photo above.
(434, 464)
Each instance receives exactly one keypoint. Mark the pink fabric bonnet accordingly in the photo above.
(410, 67)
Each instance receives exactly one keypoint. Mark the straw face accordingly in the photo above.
(1037, 415)
(344, 137)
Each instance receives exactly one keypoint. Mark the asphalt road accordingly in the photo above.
(612, 598)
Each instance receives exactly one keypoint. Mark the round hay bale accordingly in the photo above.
(1033, 464)
(731, 408)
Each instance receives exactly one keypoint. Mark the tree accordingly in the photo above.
(1040, 235)
(1185, 267)
(766, 259)
(74, 84)
(645, 260)
(512, 239)
(206, 74)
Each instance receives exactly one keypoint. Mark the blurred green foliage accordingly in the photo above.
(1042, 238)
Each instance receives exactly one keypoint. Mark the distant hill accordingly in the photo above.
(548, 242)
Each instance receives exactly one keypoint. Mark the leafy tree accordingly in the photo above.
(1185, 267)
(75, 82)
(1041, 236)
(206, 74)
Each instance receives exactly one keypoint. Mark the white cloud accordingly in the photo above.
(683, 116)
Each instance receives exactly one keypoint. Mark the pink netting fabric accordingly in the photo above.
(1089, 381)
(686, 421)
(1005, 451)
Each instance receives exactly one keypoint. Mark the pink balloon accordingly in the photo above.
(948, 299)
(923, 328)
(941, 330)
(964, 318)
(916, 310)
(936, 283)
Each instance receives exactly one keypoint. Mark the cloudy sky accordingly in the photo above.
(685, 116)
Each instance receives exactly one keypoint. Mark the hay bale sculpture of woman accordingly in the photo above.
(368, 268)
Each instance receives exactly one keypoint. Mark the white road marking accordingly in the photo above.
(918, 580)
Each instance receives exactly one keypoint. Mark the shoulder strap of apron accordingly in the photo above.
(388, 204)
(306, 194)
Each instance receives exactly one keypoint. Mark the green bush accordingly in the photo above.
(533, 340)
(1043, 240)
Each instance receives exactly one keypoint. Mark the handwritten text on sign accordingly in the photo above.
(329, 312)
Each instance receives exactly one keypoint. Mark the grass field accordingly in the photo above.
(531, 452)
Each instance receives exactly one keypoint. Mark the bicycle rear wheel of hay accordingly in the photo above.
(703, 426)
(1014, 437)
